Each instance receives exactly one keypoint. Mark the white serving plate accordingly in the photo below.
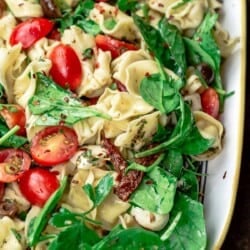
(223, 171)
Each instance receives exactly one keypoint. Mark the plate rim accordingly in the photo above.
(229, 216)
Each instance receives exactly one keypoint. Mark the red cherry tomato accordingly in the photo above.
(2, 189)
(30, 31)
(66, 67)
(13, 164)
(53, 145)
(116, 47)
(14, 115)
(37, 185)
(210, 102)
(55, 35)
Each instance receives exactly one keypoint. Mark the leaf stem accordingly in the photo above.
(9, 134)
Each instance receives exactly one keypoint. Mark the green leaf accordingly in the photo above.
(188, 184)
(129, 239)
(38, 223)
(103, 188)
(77, 237)
(162, 134)
(89, 26)
(63, 218)
(110, 23)
(181, 131)
(194, 144)
(190, 231)
(12, 141)
(173, 162)
(101, 191)
(126, 5)
(55, 104)
(156, 192)
(173, 39)
(159, 93)
(155, 43)
(79, 17)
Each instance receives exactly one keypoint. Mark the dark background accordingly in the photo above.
(238, 237)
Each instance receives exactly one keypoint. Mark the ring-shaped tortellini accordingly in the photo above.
(193, 85)
(122, 25)
(7, 24)
(89, 130)
(122, 105)
(8, 239)
(131, 67)
(90, 156)
(149, 220)
(77, 200)
(25, 8)
(41, 48)
(225, 43)
(13, 193)
(210, 128)
(25, 84)
(9, 58)
(187, 15)
(139, 132)
(78, 39)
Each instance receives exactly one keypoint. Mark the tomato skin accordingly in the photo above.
(55, 35)
(37, 185)
(15, 115)
(53, 145)
(116, 47)
(2, 189)
(30, 31)
(210, 102)
(66, 67)
(13, 164)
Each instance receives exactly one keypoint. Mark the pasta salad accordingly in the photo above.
(107, 111)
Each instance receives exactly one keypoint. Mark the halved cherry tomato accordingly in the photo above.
(37, 185)
(14, 115)
(2, 189)
(55, 35)
(53, 145)
(116, 47)
(30, 31)
(66, 67)
(13, 164)
(210, 102)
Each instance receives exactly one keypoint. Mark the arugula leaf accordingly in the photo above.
(127, 5)
(156, 91)
(179, 134)
(38, 223)
(128, 239)
(11, 141)
(173, 39)
(155, 43)
(156, 192)
(190, 231)
(162, 134)
(55, 104)
(77, 237)
(181, 3)
(99, 193)
(79, 18)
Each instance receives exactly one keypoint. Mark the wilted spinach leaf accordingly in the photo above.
(190, 231)
(156, 192)
(54, 104)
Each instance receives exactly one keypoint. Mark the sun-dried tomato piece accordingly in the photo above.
(115, 156)
(128, 184)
